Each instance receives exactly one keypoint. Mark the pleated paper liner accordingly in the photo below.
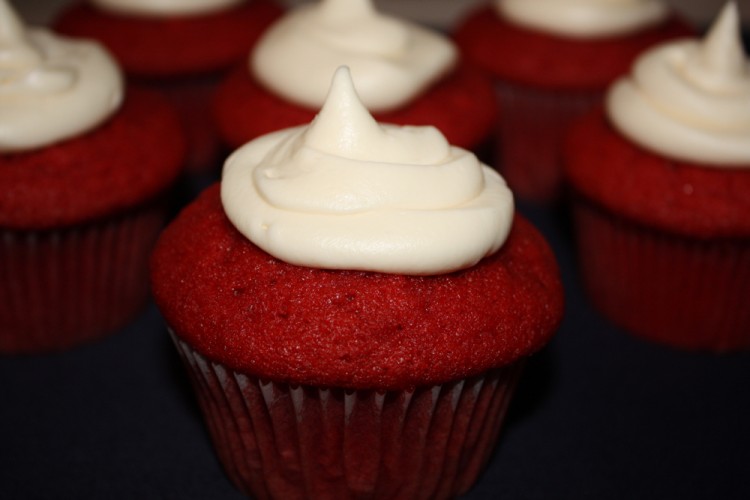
(530, 137)
(63, 287)
(676, 290)
(192, 99)
(283, 441)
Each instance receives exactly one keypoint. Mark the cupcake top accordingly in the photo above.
(690, 99)
(74, 145)
(353, 254)
(348, 193)
(584, 18)
(51, 88)
(575, 45)
(391, 60)
(164, 7)
(674, 138)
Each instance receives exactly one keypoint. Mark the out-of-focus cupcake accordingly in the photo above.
(405, 74)
(552, 61)
(82, 166)
(354, 304)
(181, 47)
(661, 183)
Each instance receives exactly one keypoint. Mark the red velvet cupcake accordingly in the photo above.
(181, 47)
(351, 338)
(551, 62)
(661, 203)
(405, 73)
(82, 171)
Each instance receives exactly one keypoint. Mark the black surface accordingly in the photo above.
(599, 415)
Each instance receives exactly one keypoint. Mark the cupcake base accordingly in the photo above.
(531, 134)
(681, 291)
(277, 440)
(192, 97)
(63, 287)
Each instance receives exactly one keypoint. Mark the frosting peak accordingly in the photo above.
(346, 192)
(690, 99)
(719, 62)
(345, 128)
(391, 60)
(16, 53)
(584, 18)
(51, 88)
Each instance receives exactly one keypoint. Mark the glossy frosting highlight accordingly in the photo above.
(164, 7)
(347, 192)
(690, 99)
(391, 60)
(51, 88)
(584, 18)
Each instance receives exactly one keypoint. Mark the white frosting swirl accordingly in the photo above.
(164, 7)
(348, 193)
(51, 88)
(690, 99)
(391, 60)
(584, 18)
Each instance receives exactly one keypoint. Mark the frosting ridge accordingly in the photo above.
(51, 88)
(584, 18)
(690, 99)
(164, 7)
(346, 192)
(391, 60)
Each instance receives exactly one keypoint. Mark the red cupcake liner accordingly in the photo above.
(530, 136)
(676, 290)
(192, 99)
(277, 440)
(62, 287)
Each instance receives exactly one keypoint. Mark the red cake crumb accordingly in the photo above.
(462, 106)
(172, 45)
(538, 59)
(694, 200)
(129, 159)
(241, 307)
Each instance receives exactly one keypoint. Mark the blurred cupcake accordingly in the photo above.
(181, 47)
(661, 183)
(82, 167)
(552, 61)
(354, 304)
(405, 74)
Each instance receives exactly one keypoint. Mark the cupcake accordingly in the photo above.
(551, 61)
(661, 194)
(181, 47)
(354, 303)
(83, 164)
(405, 74)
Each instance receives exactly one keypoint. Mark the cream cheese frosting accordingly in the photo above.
(584, 18)
(690, 99)
(346, 192)
(164, 7)
(391, 60)
(51, 88)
